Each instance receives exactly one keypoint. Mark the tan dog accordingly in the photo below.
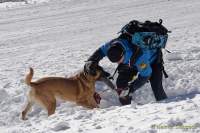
(79, 89)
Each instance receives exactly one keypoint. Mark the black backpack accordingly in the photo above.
(147, 34)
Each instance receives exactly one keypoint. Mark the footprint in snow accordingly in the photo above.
(3, 95)
(174, 57)
(61, 126)
(7, 85)
(194, 49)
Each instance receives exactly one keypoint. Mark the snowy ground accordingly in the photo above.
(55, 37)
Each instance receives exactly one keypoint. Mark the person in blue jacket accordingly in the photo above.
(145, 64)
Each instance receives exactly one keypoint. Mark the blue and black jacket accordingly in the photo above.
(142, 63)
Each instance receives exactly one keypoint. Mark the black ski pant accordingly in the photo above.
(156, 82)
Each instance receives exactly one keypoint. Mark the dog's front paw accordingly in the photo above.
(24, 118)
(93, 105)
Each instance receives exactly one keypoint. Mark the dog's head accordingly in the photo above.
(97, 73)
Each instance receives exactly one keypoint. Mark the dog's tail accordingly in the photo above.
(29, 77)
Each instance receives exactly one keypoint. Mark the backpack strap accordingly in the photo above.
(161, 61)
(137, 52)
(164, 72)
(112, 77)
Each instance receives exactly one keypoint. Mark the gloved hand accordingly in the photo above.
(89, 67)
(125, 75)
(124, 96)
(122, 92)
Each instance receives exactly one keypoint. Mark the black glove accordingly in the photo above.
(125, 74)
(90, 67)
(124, 96)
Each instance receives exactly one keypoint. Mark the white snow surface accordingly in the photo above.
(9, 4)
(55, 37)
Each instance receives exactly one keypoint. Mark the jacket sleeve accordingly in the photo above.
(96, 56)
(100, 53)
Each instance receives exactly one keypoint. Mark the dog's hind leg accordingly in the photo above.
(47, 101)
(51, 107)
(30, 102)
(27, 108)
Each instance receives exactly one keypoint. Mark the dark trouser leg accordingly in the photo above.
(125, 100)
(156, 82)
